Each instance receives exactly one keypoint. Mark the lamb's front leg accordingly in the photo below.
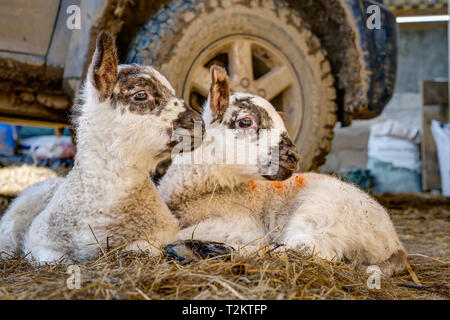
(234, 230)
(155, 245)
(145, 222)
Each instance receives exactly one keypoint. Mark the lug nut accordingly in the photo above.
(245, 82)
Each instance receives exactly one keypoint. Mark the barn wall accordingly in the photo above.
(423, 55)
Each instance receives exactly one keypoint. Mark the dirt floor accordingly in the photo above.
(422, 221)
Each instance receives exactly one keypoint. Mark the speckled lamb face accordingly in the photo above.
(247, 115)
(138, 105)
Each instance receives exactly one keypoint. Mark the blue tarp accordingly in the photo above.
(8, 139)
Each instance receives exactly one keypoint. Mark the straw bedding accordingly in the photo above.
(423, 223)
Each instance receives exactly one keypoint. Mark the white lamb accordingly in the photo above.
(124, 128)
(235, 204)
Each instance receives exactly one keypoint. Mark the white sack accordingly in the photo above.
(441, 135)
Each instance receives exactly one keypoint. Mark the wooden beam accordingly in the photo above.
(33, 123)
(17, 110)
(422, 25)
(419, 12)
(434, 106)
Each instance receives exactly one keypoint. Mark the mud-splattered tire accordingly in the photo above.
(178, 35)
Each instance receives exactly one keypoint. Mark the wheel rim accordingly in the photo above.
(254, 66)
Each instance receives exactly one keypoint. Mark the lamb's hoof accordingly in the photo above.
(187, 251)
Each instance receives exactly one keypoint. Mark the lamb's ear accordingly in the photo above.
(219, 96)
(103, 68)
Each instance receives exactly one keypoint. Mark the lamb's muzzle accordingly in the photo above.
(288, 160)
(191, 121)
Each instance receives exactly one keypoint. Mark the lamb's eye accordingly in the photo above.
(244, 123)
(140, 96)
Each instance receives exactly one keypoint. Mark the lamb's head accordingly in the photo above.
(133, 109)
(255, 129)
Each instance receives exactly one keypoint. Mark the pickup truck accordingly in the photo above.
(318, 61)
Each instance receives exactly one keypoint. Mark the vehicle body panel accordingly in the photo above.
(27, 26)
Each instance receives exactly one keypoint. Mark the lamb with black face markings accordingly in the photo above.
(236, 205)
(124, 129)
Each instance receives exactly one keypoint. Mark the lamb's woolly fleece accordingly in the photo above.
(311, 212)
(107, 199)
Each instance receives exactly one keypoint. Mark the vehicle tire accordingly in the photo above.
(267, 50)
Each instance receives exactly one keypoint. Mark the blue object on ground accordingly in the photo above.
(8, 139)
(16, 160)
(26, 132)
(358, 176)
(389, 178)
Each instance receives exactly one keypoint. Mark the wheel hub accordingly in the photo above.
(254, 66)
